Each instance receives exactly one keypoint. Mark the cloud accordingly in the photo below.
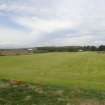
(54, 22)
(15, 38)
(43, 25)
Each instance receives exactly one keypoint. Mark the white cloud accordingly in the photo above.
(44, 18)
(14, 38)
(42, 25)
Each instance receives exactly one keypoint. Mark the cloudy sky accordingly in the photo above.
(29, 23)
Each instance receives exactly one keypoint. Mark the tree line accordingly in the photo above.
(69, 49)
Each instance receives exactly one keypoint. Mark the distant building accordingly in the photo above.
(81, 50)
(30, 50)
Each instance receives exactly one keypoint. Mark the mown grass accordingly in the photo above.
(83, 71)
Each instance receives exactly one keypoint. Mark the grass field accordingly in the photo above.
(75, 71)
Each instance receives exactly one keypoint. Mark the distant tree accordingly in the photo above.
(101, 48)
(93, 48)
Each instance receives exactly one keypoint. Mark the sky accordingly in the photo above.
(31, 23)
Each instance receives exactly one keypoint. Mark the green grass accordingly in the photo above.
(79, 69)
(83, 71)
(31, 94)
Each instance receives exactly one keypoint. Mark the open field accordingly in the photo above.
(83, 73)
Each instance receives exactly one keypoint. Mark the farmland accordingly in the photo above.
(80, 72)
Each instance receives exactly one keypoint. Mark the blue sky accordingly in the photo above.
(29, 23)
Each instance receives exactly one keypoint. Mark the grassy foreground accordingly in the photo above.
(81, 76)
(14, 92)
